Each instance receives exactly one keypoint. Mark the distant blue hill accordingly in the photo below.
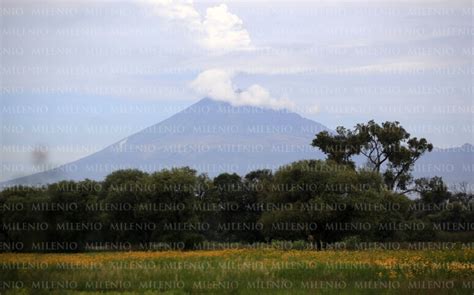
(209, 136)
(214, 137)
(455, 165)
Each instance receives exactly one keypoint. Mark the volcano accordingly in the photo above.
(209, 136)
(214, 137)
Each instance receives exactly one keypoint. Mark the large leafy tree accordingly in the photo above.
(339, 147)
(317, 196)
(432, 191)
(233, 196)
(125, 189)
(179, 189)
(388, 148)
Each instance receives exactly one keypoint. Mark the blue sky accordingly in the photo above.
(79, 75)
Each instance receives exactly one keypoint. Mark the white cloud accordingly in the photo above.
(177, 10)
(224, 30)
(217, 30)
(217, 84)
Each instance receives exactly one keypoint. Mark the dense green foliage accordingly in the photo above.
(317, 202)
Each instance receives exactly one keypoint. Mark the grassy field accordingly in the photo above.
(240, 272)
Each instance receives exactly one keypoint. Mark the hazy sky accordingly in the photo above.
(77, 76)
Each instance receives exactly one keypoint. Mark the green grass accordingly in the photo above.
(240, 272)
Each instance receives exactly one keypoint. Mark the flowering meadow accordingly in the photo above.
(240, 271)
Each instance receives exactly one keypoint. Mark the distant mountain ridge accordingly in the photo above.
(455, 164)
(215, 137)
(209, 136)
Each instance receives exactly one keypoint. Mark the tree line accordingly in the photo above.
(312, 201)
